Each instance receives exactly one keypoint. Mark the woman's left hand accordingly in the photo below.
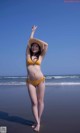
(34, 28)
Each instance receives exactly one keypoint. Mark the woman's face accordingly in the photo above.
(35, 48)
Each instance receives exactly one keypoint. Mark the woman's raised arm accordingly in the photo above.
(45, 47)
(31, 36)
(33, 31)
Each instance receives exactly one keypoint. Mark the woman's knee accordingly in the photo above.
(40, 101)
(34, 103)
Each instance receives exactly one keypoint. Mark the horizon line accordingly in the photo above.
(44, 74)
(71, 1)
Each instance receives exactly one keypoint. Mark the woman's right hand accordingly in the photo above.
(34, 28)
(33, 31)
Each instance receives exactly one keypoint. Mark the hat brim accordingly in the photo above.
(37, 41)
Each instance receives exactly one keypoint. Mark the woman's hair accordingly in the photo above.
(36, 54)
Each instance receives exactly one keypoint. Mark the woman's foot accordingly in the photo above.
(37, 128)
(33, 126)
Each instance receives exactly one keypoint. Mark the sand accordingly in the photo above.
(61, 113)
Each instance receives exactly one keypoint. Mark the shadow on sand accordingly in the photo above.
(5, 116)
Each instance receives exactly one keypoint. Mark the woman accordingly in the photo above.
(35, 52)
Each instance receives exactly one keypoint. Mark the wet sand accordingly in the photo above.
(61, 113)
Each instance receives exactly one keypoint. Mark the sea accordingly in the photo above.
(50, 80)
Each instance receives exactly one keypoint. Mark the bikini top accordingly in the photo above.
(31, 62)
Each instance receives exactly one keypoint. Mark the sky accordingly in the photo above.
(58, 24)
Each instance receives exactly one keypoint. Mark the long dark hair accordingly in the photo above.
(36, 54)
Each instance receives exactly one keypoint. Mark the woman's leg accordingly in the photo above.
(33, 97)
(40, 96)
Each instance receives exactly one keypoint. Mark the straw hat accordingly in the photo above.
(37, 41)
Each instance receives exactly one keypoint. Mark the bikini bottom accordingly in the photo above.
(35, 82)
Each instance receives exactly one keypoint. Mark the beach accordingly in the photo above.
(61, 112)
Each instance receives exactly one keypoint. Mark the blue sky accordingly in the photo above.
(58, 24)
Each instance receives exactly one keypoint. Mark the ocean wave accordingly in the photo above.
(62, 83)
(47, 83)
(46, 76)
(63, 77)
(13, 83)
(12, 77)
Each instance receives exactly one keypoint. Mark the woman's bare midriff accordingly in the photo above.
(34, 72)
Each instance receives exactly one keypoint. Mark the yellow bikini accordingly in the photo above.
(31, 62)
(34, 82)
